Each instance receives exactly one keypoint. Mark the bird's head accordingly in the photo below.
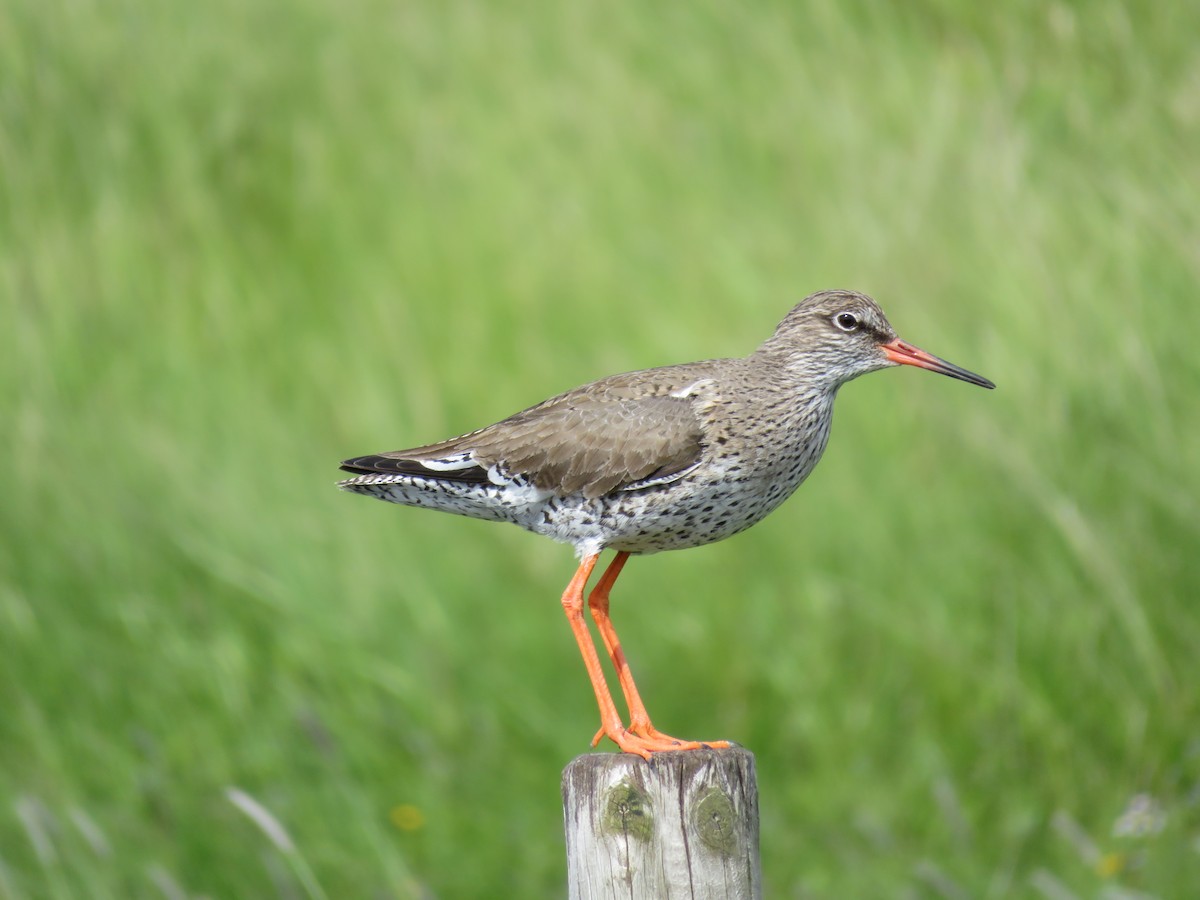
(833, 336)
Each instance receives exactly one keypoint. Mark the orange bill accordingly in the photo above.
(905, 354)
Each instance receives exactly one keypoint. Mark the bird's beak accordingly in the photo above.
(906, 354)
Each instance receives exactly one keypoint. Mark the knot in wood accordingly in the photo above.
(715, 820)
(627, 812)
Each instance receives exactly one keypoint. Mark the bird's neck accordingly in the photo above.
(806, 376)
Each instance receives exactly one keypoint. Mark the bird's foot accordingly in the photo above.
(644, 739)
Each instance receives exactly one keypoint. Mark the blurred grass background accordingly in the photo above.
(239, 242)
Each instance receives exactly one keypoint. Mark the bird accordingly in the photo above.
(658, 459)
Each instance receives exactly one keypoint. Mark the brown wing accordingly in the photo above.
(594, 440)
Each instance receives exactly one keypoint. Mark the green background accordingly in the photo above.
(240, 242)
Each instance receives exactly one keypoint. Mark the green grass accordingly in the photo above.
(241, 242)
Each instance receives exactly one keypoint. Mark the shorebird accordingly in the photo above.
(659, 459)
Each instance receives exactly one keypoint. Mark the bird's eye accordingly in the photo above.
(846, 321)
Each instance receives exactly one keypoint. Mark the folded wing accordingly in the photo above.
(609, 437)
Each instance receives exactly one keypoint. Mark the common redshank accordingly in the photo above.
(659, 459)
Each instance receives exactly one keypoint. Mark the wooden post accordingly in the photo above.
(684, 825)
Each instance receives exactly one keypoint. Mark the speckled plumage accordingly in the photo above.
(625, 464)
(659, 459)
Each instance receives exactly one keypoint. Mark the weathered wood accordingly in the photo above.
(683, 825)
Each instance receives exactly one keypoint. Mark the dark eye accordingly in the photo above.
(846, 321)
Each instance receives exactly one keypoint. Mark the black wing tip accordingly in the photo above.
(393, 465)
(377, 464)
(361, 465)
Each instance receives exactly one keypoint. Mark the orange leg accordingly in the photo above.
(639, 720)
(572, 601)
